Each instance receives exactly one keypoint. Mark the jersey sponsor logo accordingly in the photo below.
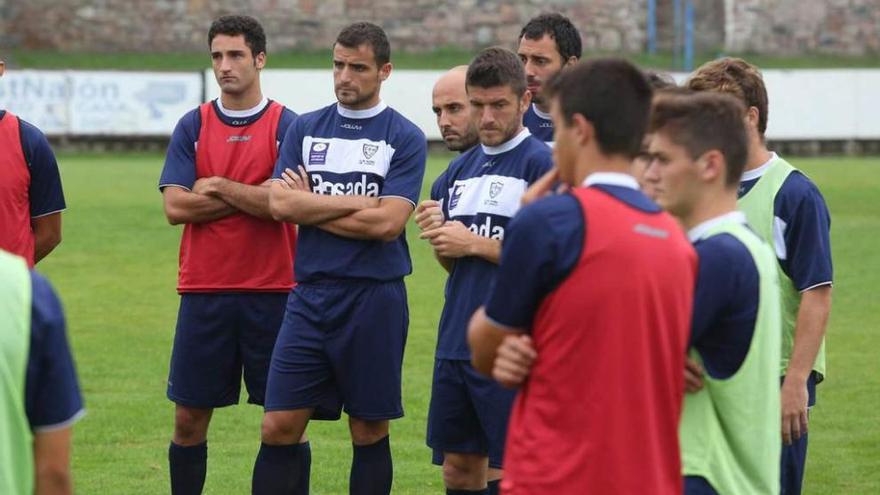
(643, 229)
(352, 127)
(488, 229)
(318, 153)
(362, 187)
(238, 139)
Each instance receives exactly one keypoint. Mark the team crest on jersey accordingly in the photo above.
(370, 150)
(318, 153)
(457, 191)
(495, 189)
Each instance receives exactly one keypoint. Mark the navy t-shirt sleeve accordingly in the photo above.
(541, 246)
(725, 304)
(439, 188)
(806, 226)
(52, 395)
(407, 169)
(180, 160)
(290, 153)
(45, 193)
(288, 116)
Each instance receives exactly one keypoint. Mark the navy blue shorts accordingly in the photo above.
(341, 348)
(794, 456)
(218, 335)
(697, 485)
(469, 412)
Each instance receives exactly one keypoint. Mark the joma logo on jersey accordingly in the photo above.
(546, 125)
(238, 139)
(486, 229)
(352, 127)
(359, 188)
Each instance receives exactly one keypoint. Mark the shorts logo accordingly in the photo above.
(495, 189)
(370, 150)
(457, 191)
(318, 153)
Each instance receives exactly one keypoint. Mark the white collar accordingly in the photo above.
(539, 113)
(611, 179)
(698, 232)
(361, 114)
(756, 173)
(507, 145)
(240, 114)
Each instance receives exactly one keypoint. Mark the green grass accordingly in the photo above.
(441, 58)
(116, 273)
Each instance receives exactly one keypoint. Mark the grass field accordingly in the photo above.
(116, 272)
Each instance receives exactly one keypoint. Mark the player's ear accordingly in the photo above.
(711, 165)
(583, 129)
(260, 60)
(752, 117)
(525, 101)
(572, 60)
(385, 71)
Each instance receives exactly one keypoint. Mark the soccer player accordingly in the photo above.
(350, 176)
(449, 102)
(729, 429)
(478, 194)
(39, 394)
(31, 198)
(236, 262)
(787, 210)
(547, 44)
(601, 280)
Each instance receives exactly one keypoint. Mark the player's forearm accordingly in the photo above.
(253, 200)
(47, 235)
(483, 338)
(52, 463)
(369, 224)
(486, 248)
(812, 320)
(196, 208)
(307, 208)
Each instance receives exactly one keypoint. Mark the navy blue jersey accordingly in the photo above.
(544, 243)
(801, 228)
(539, 124)
(375, 152)
(180, 161)
(52, 397)
(482, 189)
(725, 300)
(44, 192)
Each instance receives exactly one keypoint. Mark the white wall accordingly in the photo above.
(804, 104)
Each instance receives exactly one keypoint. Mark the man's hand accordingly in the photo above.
(452, 240)
(429, 215)
(297, 180)
(514, 360)
(542, 187)
(693, 376)
(794, 400)
(208, 186)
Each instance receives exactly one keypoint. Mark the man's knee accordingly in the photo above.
(365, 432)
(464, 471)
(284, 427)
(191, 425)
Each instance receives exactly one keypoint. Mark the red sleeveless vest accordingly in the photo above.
(16, 233)
(600, 410)
(239, 252)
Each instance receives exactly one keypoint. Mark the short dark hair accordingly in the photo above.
(613, 95)
(705, 121)
(235, 25)
(737, 77)
(496, 66)
(560, 28)
(366, 33)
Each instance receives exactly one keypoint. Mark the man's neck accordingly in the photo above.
(712, 204)
(244, 101)
(758, 153)
(365, 105)
(592, 163)
(544, 107)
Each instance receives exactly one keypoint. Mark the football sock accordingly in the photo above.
(371, 469)
(187, 466)
(281, 470)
